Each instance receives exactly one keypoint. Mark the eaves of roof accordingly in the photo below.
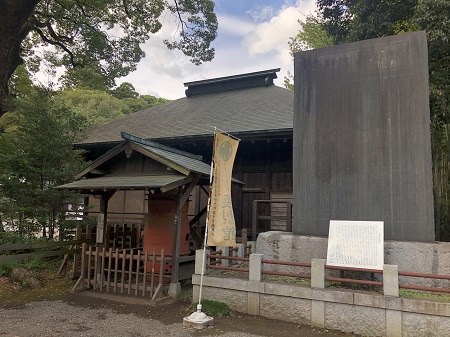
(106, 183)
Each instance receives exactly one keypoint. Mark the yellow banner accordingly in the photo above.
(221, 226)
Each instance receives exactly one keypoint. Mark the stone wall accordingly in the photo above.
(361, 312)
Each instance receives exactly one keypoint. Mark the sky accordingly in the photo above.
(252, 35)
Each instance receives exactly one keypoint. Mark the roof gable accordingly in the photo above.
(180, 161)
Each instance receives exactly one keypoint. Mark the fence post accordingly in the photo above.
(318, 281)
(244, 237)
(318, 273)
(390, 280)
(81, 279)
(391, 289)
(288, 216)
(255, 267)
(225, 252)
(254, 219)
(199, 261)
(255, 275)
(88, 232)
(240, 250)
(76, 256)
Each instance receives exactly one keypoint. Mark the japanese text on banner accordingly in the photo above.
(221, 225)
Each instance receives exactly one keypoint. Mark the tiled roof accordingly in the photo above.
(264, 108)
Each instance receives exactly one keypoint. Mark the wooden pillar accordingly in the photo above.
(176, 240)
(102, 232)
(183, 196)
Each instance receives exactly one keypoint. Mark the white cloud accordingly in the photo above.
(241, 46)
(261, 13)
(231, 25)
(274, 34)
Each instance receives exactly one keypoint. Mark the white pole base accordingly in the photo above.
(198, 319)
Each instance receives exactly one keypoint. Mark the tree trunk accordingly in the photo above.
(51, 229)
(14, 15)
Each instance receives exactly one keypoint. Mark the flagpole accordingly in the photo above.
(199, 305)
(198, 319)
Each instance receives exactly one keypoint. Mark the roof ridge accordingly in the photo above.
(159, 146)
(262, 78)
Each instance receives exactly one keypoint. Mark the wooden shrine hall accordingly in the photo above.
(141, 177)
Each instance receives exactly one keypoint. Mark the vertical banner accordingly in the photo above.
(221, 226)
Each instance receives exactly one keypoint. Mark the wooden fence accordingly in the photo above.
(25, 251)
(124, 271)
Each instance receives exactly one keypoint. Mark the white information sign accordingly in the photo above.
(357, 244)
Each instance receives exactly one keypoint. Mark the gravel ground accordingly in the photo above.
(56, 318)
(80, 316)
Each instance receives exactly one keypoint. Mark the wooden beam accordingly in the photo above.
(176, 184)
(188, 190)
(102, 159)
(158, 158)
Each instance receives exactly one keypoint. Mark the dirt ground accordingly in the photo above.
(15, 303)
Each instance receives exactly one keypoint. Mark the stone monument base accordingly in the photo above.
(418, 257)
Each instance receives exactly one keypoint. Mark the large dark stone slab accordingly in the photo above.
(362, 137)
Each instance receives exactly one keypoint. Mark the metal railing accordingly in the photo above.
(215, 262)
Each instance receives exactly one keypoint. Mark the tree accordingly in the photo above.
(312, 35)
(431, 16)
(87, 77)
(103, 34)
(125, 90)
(132, 100)
(35, 156)
(142, 102)
(353, 20)
(337, 17)
(95, 106)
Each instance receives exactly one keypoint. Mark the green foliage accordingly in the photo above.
(198, 29)
(214, 308)
(8, 237)
(37, 264)
(111, 31)
(337, 17)
(125, 90)
(352, 20)
(35, 157)
(288, 81)
(98, 107)
(88, 77)
(95, 106)
(432, 16)
(141, 102)
(312, 35)
(6, 268)
(424, 295)
(105, 35)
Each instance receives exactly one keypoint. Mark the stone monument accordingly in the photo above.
(362, 137)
